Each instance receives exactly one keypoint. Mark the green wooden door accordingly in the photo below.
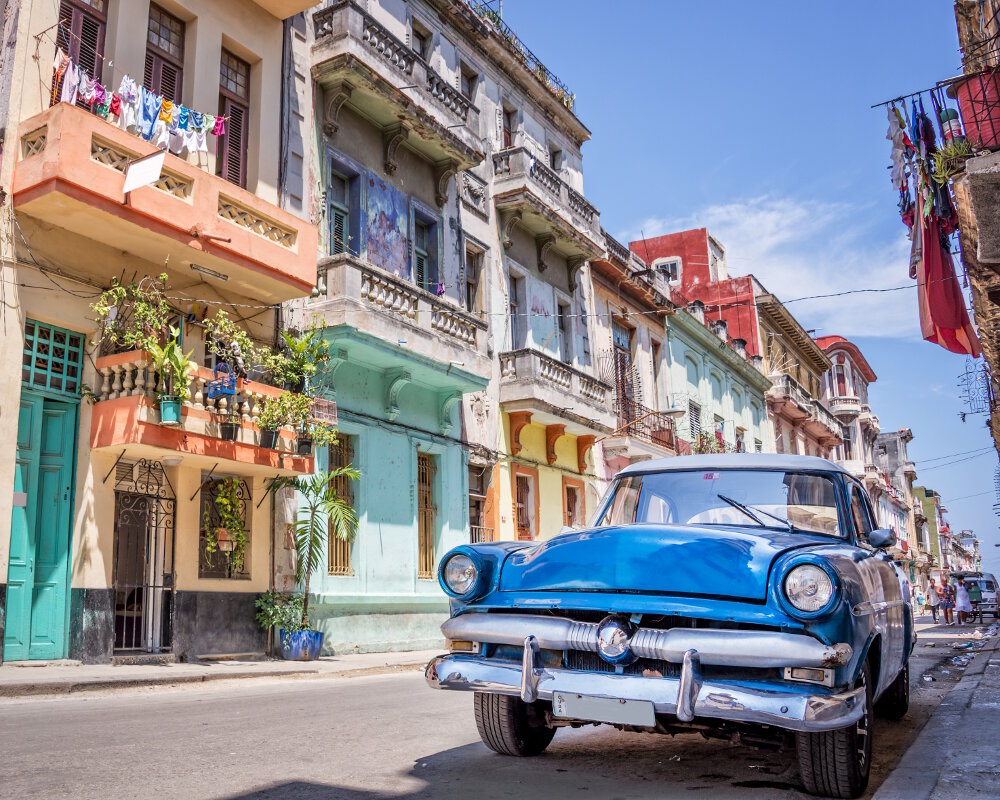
(38, 573)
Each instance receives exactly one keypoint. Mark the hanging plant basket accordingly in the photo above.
(269, 439)
(170, 410)
(229, 430)
(226, 542)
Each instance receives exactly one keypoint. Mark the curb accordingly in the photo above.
(58, 688)
(916, 775)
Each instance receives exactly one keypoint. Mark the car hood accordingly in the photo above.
(657, 559)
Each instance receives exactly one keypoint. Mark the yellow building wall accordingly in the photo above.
(550, 480)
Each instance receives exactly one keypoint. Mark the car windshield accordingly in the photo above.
(802, 501)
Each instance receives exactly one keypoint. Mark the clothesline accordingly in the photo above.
(168, 125)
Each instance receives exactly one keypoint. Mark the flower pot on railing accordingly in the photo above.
(170, 410)
(300, 645)
(269, 439)
(979, 102)
(229, 430)
(305, 445)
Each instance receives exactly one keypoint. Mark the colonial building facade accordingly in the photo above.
(103, 549)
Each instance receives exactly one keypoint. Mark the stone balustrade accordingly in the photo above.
(517, 167)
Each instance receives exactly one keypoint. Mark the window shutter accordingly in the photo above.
(170, 82)
(694, 419)
(338, 231)
(91, 44)
(421, 265)
(233, 145)
(149, 72)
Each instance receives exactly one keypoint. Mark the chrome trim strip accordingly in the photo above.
(763, 649)
(868, 607)
(783, 709)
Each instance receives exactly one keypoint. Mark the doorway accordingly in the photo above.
(143, 558)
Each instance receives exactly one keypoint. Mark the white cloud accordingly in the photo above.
(801, 248)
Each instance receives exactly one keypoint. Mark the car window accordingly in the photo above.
(859, 513)
(779, 499)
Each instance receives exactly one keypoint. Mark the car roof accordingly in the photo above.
(774, 461)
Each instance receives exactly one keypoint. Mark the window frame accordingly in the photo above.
(207, 571)
(156, 57)
(427, 537)
(576, 486)
(476, 264)
(336, 548)
(516, 303)
(856, 489)
(532, 505)
(229, 100)
(77, 11)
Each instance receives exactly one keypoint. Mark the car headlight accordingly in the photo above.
(460, 574)
(808, 588)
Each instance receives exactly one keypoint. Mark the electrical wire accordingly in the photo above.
(953, 455)
(956, 461)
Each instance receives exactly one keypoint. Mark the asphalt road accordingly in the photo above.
(375, 737)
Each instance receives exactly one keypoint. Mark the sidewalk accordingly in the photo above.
(955, 754)
(24, 678)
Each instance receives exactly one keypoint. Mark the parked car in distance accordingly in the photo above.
(987, 584)
(743, 596)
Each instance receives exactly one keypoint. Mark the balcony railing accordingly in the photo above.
(523, 54)
(70, 174)
(787, 386)
(344, 29)
(478, 534)
(635, 419)
(822, 416)
(125, 413)
(534, 379)
(844, 406)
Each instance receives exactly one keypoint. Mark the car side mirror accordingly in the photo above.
(882, 538)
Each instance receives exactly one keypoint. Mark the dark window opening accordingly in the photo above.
(164, 54)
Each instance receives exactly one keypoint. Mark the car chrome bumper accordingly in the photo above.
(724, 648)
(686, 698)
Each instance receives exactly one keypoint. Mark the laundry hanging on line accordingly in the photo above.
(138, 110)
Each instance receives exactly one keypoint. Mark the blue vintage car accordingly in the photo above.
(741, 596)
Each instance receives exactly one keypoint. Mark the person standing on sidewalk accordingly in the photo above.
(962, 603)
(933, 601)
(947, 595)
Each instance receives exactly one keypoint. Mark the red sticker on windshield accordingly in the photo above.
(711, 476)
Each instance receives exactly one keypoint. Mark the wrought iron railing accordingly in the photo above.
(531, 62)
(635, 419)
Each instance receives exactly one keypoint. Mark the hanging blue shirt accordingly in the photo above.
(182, 121)
(150, 111)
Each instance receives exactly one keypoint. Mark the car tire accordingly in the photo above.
(895, 701)
(511, 727)
(838, 763)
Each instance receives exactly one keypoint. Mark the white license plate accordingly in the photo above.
(603, 709)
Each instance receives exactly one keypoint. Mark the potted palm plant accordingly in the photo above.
(175, 370)
(303, 353)
(324, 513)
(273, 416)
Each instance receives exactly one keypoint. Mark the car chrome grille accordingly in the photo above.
(592, 662)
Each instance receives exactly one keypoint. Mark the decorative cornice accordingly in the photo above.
(552, 434)
(543, 244)
(392, 138)
(509, 221)
(336, 95)
(395, 380)
(448, 402)
(444, 171)
(573, 265)
(518, 419)
(583, 445)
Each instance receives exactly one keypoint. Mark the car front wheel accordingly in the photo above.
(837, 763)
(511, 727)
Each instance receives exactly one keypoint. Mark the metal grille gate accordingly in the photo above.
(144, 557)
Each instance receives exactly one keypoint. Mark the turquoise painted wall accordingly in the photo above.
(384, 605)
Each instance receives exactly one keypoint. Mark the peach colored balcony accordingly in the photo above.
(126, 418)
(70, 174)
(283, 9)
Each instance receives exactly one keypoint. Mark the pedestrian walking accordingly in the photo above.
(947, 595)
(962, 603)
(933, 601)
(919, 599)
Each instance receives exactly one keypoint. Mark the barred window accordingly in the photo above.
(341, 454)
(220, 564)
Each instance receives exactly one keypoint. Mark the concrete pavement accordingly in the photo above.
(955, 754)
(21, 679)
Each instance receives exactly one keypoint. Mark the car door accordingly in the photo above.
(886, 604)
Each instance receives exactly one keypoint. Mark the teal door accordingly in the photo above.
(38, 573)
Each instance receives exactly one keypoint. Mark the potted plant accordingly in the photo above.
(280, 611)
(175, 369)
(228, 536)
(229, 426)
(133, 316)
(314, 433)
(232, 345)
(324, 512)
(277, 412)
(949, 160)
(303, 353)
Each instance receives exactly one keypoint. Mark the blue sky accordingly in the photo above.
(753, 119)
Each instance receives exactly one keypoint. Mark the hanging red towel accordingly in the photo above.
(943, 318)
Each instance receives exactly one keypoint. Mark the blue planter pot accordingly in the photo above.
(170, 410)
(300, 645)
